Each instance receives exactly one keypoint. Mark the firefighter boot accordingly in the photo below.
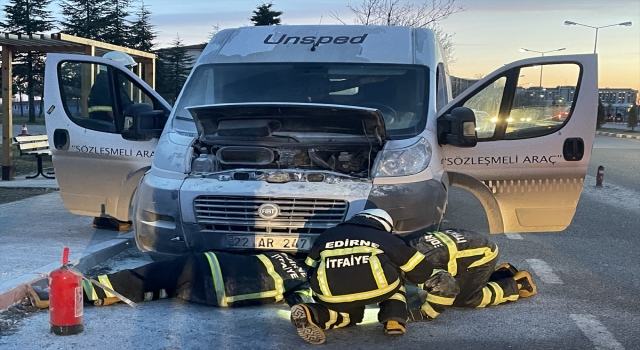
(38, 292)
(507, 267)
(394, 328)
(526, 288)
(503, 271)
(302, 318)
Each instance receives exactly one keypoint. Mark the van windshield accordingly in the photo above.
(398, 91)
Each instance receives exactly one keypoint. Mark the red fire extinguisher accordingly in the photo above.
(65, 299)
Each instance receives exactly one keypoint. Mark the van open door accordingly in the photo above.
(103, 123)
(520, 140)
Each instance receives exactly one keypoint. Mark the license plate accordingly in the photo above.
(269, 242)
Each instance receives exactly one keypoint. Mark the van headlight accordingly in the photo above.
(405, 161)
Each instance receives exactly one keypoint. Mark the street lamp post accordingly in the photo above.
(595, 44)
(522, 49)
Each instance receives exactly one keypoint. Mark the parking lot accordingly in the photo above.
(587, 280)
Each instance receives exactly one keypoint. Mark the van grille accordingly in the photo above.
(236, 214)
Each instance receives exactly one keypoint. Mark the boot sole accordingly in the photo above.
(307, 330)
(393, 332)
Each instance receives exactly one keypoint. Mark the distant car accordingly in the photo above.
(560, 117)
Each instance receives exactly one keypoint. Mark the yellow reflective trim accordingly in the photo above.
(148, 296)
(403, 289)
(163, 294)
(399, 297)
(429, 310)
(104, 279)
(322, 279)
(89, 290)
(306, 292)
(472, 252)
(413, 262)
(100, 109)
(310, 262)
(439, 300)
(435, 271)
(512, 297)
(333, 318)
(260, 295)
(499, 294)
(349, 251)
(489, 255)
(276, 277)
(486, 297)
(359, 296)
(378, 272)
(452, 266)
(345, 320)
(218, 281)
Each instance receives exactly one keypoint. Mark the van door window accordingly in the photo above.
(525, 102)
(486, 106)
(543, 99)
(96, 99)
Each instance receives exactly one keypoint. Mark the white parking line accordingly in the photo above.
(598, 334)
(513, 235)
(544, 271)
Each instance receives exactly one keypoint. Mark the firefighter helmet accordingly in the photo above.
(121, 58)
(380, 216)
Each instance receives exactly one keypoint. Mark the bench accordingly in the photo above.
(38, 146)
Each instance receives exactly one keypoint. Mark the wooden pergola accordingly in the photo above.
(47, 43)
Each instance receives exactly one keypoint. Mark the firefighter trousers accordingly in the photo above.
(480, 286)
(181, 277)
(216, 279)
(329, 316)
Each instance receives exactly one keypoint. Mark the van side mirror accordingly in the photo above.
(458, 128)
(142, 123)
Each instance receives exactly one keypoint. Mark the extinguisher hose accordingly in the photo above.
(91, 280)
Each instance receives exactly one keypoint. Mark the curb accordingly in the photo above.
(621, 136)
(15, 289)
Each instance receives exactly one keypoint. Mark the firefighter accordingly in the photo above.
(212, 278)
(357, 263)
(100, 97)
(101, 106)
(465, 274)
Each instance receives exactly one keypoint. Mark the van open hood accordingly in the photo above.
(250, 120)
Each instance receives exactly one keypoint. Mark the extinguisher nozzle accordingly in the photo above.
(65, 256)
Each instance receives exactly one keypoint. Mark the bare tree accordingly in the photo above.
(397, 13)
(215, 29)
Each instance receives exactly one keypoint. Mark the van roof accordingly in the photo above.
(322, 43)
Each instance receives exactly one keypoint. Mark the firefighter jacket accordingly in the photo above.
(359, 263)
(240, 280)
(100, 101)
(455, 250)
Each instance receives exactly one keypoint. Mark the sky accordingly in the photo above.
(487, 35)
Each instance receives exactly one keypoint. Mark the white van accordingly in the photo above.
(284, 131)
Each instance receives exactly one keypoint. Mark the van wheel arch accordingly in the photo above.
(484, 195)
(127, 190)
